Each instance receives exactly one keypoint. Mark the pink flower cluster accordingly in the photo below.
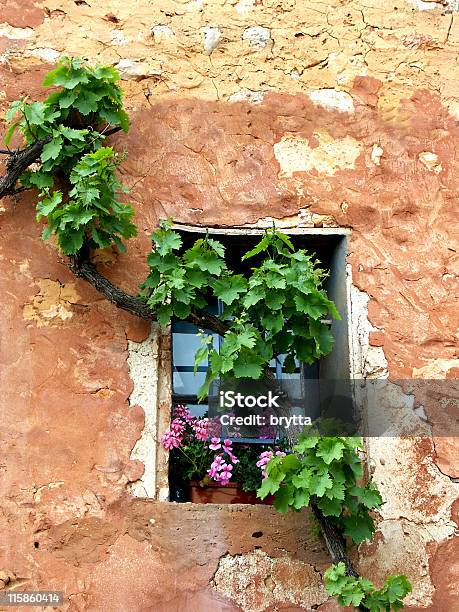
(220, 470)
(264, 459)
(174, 436)
(185, 428)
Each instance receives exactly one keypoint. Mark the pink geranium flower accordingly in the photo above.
(215, 444)
(215, 467)
(184, 413)
(178, 426)
(225, 473)
(171, 439)
(201, 429)
(226, 446)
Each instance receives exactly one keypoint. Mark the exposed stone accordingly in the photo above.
(333, 100)
(376, 154)
(118, 38)
(46, 54)
(162, 32)
(135, 70)
(255, 581)
(243, 7)
(245, 95)
(430, 161)
(295, 154)
(212, 37)
(257, 36)
(425, 5)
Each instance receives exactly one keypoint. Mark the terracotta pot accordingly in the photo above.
(214, 493)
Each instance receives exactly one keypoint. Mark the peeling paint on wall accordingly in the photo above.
(328, 156)
(52, 304)
(256, 581)
(143, 368)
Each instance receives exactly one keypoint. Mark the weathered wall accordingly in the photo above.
(339, 113)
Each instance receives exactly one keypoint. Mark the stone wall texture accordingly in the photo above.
(339, 113)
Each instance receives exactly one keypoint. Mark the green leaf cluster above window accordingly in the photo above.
(276, 308)
(92, 210)
(72, 122)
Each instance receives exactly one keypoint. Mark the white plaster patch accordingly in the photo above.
(257, 37)
(304, 218)
(366, 361)
(333, 99)
(430, 161)
(143, 370)
(9, 31)
(243, 7)
(118, 38)
(247, 95)
(411, 484)
(376, 154)
(162, 32)
(47, 54)
(212, 37)
(436, 368)
(421, 5)
(402, 549)
(256, 582)
(294, 154)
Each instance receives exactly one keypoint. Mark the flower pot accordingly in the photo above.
(214, 493)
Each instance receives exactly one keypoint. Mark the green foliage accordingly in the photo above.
(73, 120)
(276, 309)
(351, 591)
(92, 210)
(191, 461)
(324, 470)
(246, 471)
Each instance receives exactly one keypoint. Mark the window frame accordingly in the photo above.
(165, 368)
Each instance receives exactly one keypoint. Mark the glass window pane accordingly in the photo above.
(184, 347)
(187, 383)
(198, 410)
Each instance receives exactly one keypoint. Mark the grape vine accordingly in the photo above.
(72, 124)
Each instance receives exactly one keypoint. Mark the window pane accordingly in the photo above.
(187, 383)
(184, 347)
(198, 410)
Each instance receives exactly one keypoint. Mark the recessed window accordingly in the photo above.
(313, 389)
